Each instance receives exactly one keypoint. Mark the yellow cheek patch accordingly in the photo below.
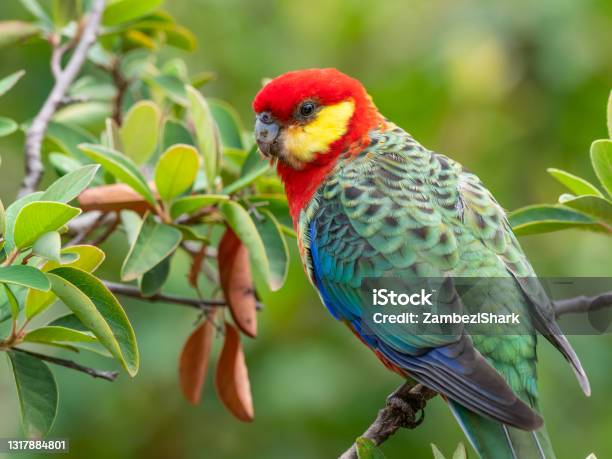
(303, 142)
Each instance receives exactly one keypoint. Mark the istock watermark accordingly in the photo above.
(482, 306)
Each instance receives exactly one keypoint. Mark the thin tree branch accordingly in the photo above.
(107, 375)
(583, 304)
(409, 399)
(401, 410)
(64, 78)
(133, 292)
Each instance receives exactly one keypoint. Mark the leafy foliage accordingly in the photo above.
(172, 170)
(584, 207)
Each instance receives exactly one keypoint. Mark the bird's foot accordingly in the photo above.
(407, 407)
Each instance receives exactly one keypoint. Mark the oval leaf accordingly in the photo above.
(139, 131)
(153, 280)
(54, 334)
(88, 258)
(121, 167)
(127, 10)
(232, 377)
(252, 169)
(176, 171)
(190, 204)
(11, 215)
(99, 311)
(575, 184)
(48, 246)
(594, 206)
(26, 276)
(366, 449)
(2, 220)
(12, 302)
(37, 392)
(546, 218)
(8, 82)
(240, 221)
(228, 121)
(207, 134)
(237, 282)
(194, 359)
(154, 243)
(276, 246)
(68, 187)
(40, 217)
(7, 126)
(601, 157)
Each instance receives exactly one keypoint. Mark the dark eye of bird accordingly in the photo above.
(307, 109)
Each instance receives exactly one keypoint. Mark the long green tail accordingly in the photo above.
(493, 440)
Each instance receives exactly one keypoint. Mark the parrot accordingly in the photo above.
(368, 201)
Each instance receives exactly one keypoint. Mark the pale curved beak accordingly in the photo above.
(266, 133)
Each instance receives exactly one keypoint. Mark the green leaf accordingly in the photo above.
(198, 232)
(131, 222)
(190, 204)
(180, 37)
(228, 121)
(601, 157)
(7, 83)
(546, 218)
(40, 217)
(12, 32)
(366, 449)
(176, 171)
(54, 334)
(37, 11)
(113, 135)
(26, 276)
(153, 280)
(70, 186)
(128, 10)
(99, 311)
(48, 246)
(12, 302)
(202, 78)
(89, 115)
(575, 184)
(154, 243)
(68, 321)
(121, 167)
(37, 392)
(207, 134)
(175, 132)
(63, 164)
(240, 222)
(277, 250)
(596, 207)
(460, 452)
(7, 126)
(171, 86)
(609, 115)
(65, 11)
(436, 452)
(139, 131)
(275, 203)
(68, 138)
(88, 258)
(2, 220)
(11, 216)
(253, 168)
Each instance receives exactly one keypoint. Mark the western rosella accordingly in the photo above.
(369, 201)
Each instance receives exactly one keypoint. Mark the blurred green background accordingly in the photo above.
(506, 88)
